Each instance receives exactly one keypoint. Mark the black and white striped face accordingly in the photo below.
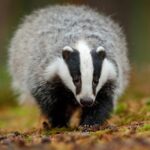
(89, 70)
(84, 71)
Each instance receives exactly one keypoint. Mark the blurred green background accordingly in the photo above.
(132, 15)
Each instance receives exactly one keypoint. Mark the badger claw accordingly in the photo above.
(88, 128)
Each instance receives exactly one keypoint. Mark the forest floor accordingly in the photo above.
(128, 128)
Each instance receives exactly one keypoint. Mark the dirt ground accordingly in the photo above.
(128, 128)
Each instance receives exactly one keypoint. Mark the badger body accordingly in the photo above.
(66, 57)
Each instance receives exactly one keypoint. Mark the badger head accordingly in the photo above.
(83, 70)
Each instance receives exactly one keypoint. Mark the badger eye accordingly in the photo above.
(77, 80)
(95, 82)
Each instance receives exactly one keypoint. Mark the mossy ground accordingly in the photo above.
(128, 128)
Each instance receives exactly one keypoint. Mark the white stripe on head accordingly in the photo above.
(108, 72)
(59, 67)
(86, 68)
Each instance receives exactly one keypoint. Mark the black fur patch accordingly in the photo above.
(73, 63)
(97, 64)
(55, 100)
(102, 108)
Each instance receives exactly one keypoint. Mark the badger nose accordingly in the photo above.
(87, 102)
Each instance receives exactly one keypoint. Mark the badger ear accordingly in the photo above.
(101, 52)
(67, 50)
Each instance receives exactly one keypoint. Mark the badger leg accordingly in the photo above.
(54, 103)
(58, 116)
(55, 112)
(102, 109)
(97, 114)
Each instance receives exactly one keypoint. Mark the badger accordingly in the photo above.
(68, 57)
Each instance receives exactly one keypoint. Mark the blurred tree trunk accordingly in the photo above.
(140, 31)
(4, 21)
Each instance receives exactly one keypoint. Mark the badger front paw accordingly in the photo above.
(87, 128)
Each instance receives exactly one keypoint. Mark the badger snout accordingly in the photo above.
(86, 102)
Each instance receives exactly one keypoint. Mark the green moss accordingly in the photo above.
(3, 123)
(121, 108)
(148, 102)
(146, 127)
(56, 131)
(20, 111)
(6, 94)
(28, 138)
(100, 132)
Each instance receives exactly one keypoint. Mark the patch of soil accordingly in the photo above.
(102, 138)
